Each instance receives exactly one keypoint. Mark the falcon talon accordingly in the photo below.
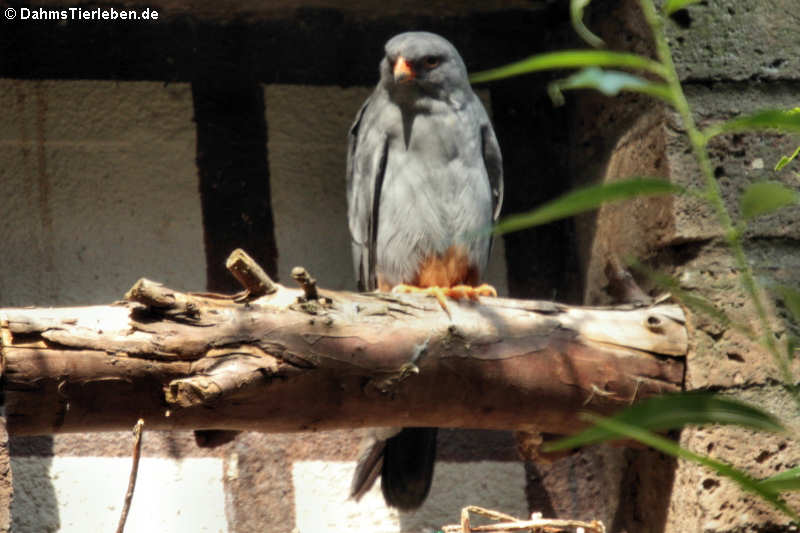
(243, 296)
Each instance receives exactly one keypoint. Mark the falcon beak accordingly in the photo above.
(403, 73)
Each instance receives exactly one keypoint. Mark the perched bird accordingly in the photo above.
(424, 182)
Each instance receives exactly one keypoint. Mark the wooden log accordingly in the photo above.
(284, 362)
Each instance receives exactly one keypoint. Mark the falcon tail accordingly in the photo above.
(405, 462)
(408, 467)
(368, 466)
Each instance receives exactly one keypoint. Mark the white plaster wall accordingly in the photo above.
(322, 486)
(307, 145)
(98, 187)
(80, 494)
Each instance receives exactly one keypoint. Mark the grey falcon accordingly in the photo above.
(424, 181)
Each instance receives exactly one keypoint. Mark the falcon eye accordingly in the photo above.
(431, 61)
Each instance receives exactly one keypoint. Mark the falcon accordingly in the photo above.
(424, 182)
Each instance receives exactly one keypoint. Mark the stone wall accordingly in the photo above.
(732, 58)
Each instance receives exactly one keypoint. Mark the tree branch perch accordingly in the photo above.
(284, 362)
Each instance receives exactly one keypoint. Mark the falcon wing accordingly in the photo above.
(366, 164)
(493, 161)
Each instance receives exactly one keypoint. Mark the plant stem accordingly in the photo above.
(713, 194)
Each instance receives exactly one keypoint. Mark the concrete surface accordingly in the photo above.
(171, 495)
(321, 489)
(717, 503)
(738, 159)
(99, 189)
(737, 41)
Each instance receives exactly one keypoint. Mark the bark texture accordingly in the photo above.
(285, 362)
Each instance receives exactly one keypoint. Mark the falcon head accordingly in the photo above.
(423, 64)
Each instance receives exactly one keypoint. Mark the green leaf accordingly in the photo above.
(623, 430)
(570, 59)
(671, 6)
(608, 82)
(586, 199)
(771, 119)
(786, 160)
(785, 481)
(673, 411)
(576, 13)
(764, 197)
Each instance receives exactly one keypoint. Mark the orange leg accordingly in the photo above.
(458, 292)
